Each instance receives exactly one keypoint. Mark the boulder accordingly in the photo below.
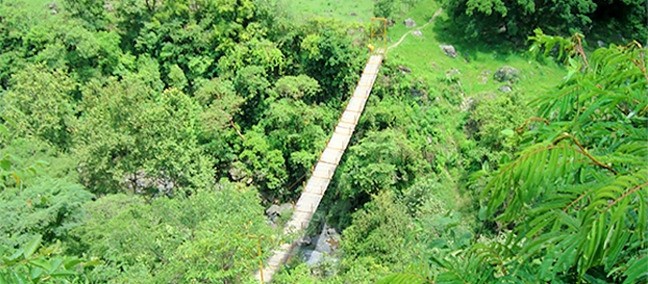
(328, 241)
(449, 50)
(273, 210)
(410, 23)
(313, 257)
(142, 182)
(483, 76)
(109, 7)
(238, 171)
(418, 93)
(53, 8)
(285, 209)
(506, 74)
(467, 104)
(278, 210)
(417, 33)
(600, 43)
(305, 241)
(453, 72)
(505, 89)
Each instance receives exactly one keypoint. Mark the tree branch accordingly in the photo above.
(584, 151)
(626, 194)
(576, 200)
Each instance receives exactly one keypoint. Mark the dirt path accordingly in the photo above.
(402, 38)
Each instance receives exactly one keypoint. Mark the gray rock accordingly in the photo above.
(305, 241)
(506, 74)
(237, 171)
(418, 93)
(273, 210)
(313, 257)
(410, 23)
(417, 33)
(484, 76)
(279, 210)
(449, 50)
(53, 8)
(505, 89)
(467, 104)
(453, 72)
(328, 241)
(142, 182)
(600, 43)
(109, 7)
(285, 209)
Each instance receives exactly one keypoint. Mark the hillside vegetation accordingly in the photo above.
(165, 141)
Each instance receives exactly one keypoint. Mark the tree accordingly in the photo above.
(39, 103)
(491, 125)
(48, 207)
(220, 135)
(300, 87)
(298, 133)
(383, 8)
(131, 137)
(383, 160)
(209, 236)
(266, 166)
(93, 13)
(380, 230)
(252, 84)
(482, 18)
(329, 56)
(192, 35)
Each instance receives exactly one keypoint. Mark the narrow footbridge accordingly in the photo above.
(324, 169)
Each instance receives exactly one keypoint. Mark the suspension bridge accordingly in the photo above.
(325, 168)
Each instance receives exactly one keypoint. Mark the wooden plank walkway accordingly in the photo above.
(324, 169)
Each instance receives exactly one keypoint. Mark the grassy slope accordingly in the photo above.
(476, 64)
(345, 10)
(37, 10)
(428, 62)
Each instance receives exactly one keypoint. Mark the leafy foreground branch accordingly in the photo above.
(575, 200)
(572, 207)
(33, 264)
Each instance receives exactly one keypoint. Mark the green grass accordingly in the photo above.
(475, 62)
(345, 10)
(36, 10)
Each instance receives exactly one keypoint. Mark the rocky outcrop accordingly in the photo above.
(449, 50)
(275, 211)
(410, 23)
(507, 74)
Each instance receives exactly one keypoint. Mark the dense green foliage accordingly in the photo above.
(129, 121)
(483, 18)
(141, 142)
(210, 236)
(28, 264)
